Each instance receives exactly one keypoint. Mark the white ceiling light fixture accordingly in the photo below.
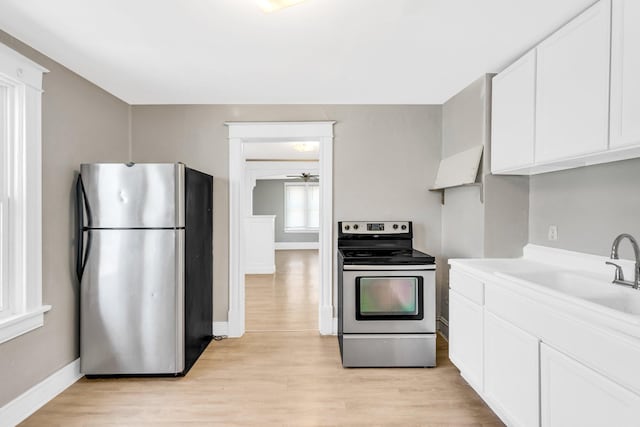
(269, 6)
(305, 147)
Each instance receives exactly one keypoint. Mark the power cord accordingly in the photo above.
(219, 337)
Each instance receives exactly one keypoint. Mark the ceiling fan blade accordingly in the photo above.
(305, 176)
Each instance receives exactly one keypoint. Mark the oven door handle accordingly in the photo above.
(389, 267)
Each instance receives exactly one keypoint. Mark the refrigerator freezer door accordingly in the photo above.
(132, 303)
(146, 195)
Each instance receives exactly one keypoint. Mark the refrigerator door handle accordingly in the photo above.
(80, 255)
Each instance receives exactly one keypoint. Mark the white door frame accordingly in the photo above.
(243, 132)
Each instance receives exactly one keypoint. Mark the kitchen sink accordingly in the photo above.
(596, 289)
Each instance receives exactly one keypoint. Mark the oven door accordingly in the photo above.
(388, 301)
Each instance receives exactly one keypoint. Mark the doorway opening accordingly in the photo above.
(254, 159)
(281, 251)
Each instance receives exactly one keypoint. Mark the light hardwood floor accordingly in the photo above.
(265, 378)
(286, 300)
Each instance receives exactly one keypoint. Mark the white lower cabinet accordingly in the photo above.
(260, 254)
(552, 370)
(511, 361)
(465, 339)
(574, 395)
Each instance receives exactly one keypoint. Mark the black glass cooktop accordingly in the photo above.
(385, 256)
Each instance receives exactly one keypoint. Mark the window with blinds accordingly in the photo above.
(301, 207)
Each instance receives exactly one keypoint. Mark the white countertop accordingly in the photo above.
(574, 282)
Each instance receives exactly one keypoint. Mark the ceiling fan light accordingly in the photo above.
(269, 6)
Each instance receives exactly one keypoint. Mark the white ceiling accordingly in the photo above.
(317, 52)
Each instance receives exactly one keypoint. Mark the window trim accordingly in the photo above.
(4, 174)
(299, 229)
(23, 77)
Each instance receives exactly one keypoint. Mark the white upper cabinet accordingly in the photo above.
(573, 87)
(625, 74)
(586, 101)
(513, 114)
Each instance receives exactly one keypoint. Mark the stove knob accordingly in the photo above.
(355, 226)
(346, 227)
(395, 226)
(404, 227)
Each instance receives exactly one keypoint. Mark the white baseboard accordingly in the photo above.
(220, 328)
(443, 327)
(327, 323)
(37, 396)
(235, 324)
(290, 246)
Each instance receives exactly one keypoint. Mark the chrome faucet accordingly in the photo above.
(618, 277)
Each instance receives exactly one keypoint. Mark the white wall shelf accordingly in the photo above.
(474, 184)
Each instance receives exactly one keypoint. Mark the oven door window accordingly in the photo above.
(389, 298)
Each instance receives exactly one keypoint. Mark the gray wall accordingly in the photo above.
(463, 126)
(385, 158)
(80, 123)
(268, 199)
(590, 206)
(506, 215)
(495, 226)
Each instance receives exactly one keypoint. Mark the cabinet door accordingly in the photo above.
(513, 115)
(511, 383)
(465, 338)
(572, 111)
(574, 395)
(625, 73)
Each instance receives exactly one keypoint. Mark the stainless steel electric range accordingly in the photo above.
(386, 296)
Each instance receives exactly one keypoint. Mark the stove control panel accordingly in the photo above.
(383, 227)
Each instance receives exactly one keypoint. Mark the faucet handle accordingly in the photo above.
(619, 275)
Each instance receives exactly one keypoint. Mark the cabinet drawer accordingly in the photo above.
(512, 307)
(467, 286)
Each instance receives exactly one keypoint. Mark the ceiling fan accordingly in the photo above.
(305, 176)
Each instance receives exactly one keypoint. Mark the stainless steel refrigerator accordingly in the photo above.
(144, 263)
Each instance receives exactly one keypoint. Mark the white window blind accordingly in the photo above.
(301, 207)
